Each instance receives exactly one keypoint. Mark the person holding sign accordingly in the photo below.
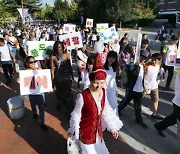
(62, 75)
(36, 99)
(169, 52)
(91, 108)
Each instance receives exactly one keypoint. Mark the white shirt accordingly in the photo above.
(150, 80)
(85, 78)
(4, 53)
(177, 91)
(116, 48)
(139, 82)
(99, 46)
(82, 58)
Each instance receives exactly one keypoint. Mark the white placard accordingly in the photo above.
(35, 81)
(40, 50)
(89, 22)
(102, 26)
(109, 34)
(69, 28)
(173, 58)
(72, 40)
(138, 48)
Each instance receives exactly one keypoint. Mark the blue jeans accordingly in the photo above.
(39, 101)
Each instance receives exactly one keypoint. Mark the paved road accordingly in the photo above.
(148, 140)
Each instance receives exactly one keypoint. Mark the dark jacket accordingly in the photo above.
(132, 74)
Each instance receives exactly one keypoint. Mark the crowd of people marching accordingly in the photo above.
(96, 108)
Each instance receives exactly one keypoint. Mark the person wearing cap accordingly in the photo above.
(91, 108)
(135, 86)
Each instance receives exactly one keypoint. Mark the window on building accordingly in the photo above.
(160, 1)
(169, 1)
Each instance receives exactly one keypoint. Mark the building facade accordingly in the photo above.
(169, 9)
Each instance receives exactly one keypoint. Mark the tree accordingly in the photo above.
(45, 13)
(118, 10)
(61, 9)
(141, 11)
(12, 5)
(4, 14)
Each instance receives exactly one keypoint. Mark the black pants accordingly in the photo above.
(7, 69)
(170, 74)
(137, 97)
(171, 119)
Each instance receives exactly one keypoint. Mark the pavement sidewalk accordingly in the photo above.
(25, 136)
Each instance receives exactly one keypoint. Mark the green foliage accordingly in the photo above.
(3, 13)
(141, 11)
(61, 9)
(12, 5)
(45, 13)
(118, 9)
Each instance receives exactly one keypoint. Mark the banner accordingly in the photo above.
(89, 22)
(72, 40)
(102, 26)
(138, 48)
(69, 28)
(40, 50)
(35, 81)
(24, 13)
(109, 34)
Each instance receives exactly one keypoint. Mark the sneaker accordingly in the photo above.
(44, 127)
(35, 116)
(157, 116)
(141, 123)
(160, 132)
(169, 89)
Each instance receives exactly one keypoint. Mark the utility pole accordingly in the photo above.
(22, 5)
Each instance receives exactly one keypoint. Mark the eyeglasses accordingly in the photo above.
(31, 62)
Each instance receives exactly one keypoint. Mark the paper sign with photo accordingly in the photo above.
(35, 81)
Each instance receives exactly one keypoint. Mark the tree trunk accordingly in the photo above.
(120, 24)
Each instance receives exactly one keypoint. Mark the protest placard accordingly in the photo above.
(138, 48)
(109, 34)
(72, 40)
(35, 81)
(69, 28)
(40, 50)
(102, 26)
(177, 57)
(89, 22)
